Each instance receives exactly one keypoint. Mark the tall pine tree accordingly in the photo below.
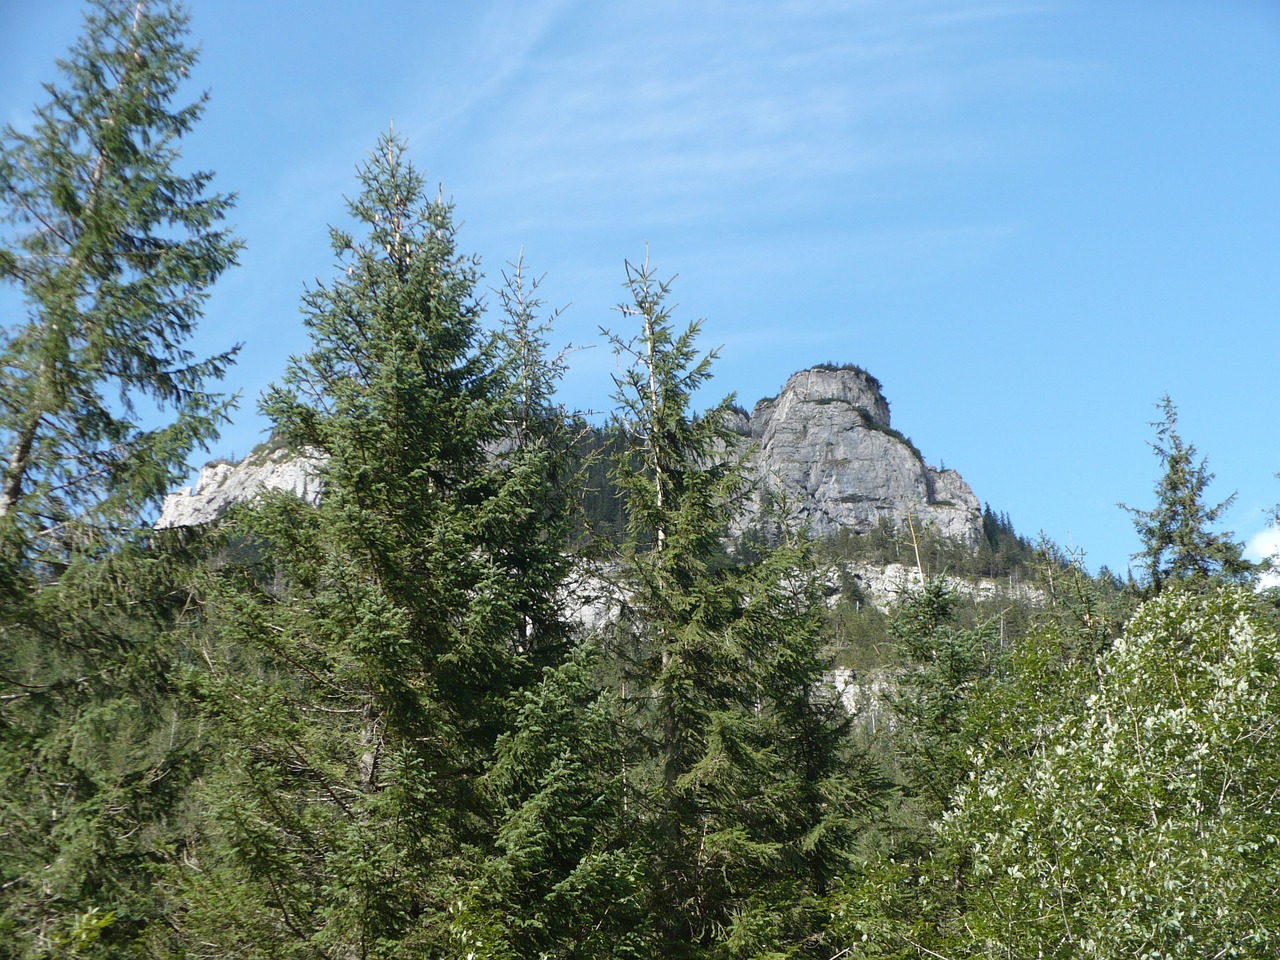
(114, 251)
(1179, 544)
(366, 652)
(112, 248)
(749, 795)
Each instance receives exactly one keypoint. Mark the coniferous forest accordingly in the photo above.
(370, 728)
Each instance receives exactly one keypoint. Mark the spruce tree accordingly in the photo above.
(564, 878)
(539, 441)
(739, 758)
(365, 653)
(112, 249)
(933, 692)
(1179, 544)
(561, 878)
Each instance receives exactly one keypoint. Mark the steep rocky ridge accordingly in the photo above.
(221, 485)
(824, 446)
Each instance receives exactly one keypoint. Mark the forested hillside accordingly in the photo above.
(367, 726)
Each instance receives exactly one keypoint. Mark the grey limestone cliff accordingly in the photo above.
(824, 446)
(222, 485)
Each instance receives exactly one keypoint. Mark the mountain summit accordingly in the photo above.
(823, 446)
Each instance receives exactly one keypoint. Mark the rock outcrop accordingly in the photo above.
(825, 448)
(223, 484)
(867, 698)
(885, 585)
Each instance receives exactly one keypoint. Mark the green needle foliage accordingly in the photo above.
(933, 693)
(368, 650)
(113, 249)
(564, 879)
(740, 763)
(1179, 544)
(98, 750)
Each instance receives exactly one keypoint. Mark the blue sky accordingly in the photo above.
(1029, 220)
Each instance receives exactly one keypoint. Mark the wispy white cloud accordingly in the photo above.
(498, 46)
(693, 107)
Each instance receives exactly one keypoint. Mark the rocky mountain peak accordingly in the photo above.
(825, 447)
(222, 485)
(825, 384)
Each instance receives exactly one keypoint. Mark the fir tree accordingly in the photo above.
(113, 250)
(932, 696)
(741, 766)
(1179, 544)
(565, 878)
(538, 442)
(560, 880)
(381, 637)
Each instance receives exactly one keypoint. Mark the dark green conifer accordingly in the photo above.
(740, 765)
(380, 637)
(112, 250)
(565, 878)
(1179, 544)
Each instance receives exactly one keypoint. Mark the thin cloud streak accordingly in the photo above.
(781, 108)
(500, 48)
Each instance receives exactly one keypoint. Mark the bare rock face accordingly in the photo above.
(824, 448)
(884, 586)
(222, 485)
(867, 698)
